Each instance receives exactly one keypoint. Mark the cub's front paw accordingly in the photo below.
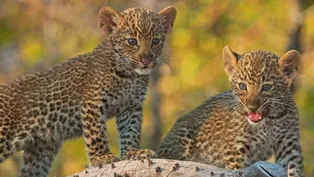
(104, 159)
(139, 154)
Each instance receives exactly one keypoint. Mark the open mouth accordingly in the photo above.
(255, 117)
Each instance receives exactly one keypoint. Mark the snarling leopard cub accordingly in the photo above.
(39, 111)
(256, 119)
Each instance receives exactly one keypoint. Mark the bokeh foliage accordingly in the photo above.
(36, 34)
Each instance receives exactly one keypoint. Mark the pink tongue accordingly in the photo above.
(255, 116)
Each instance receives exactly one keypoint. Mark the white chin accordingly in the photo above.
(144, 71)
(254, 123)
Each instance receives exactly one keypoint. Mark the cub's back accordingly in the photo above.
(39, 90)
(183, 133)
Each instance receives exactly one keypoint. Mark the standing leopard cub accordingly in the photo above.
(256, 119)
(40, 111)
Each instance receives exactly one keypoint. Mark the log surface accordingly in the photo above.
(174, 168)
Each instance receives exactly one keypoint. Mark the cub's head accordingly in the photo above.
(261, 80)
(137, 35)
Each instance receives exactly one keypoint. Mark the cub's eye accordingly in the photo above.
(266, 87)
(155, 41)
(132, 41)
(242, 86)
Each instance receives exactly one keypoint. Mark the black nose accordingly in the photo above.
(253, 107)
(146, 59)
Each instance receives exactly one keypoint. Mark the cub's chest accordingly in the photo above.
(124, 93)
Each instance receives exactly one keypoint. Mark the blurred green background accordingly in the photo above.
(37, 34)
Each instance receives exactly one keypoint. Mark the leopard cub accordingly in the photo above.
(40, 111)
(256, 119)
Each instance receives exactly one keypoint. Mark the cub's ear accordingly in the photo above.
(288, 64)
(230, 60)
(109, 19)
(168, 16)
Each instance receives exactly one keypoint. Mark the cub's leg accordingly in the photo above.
(7, 148)
(289, 154)
(129, 125)
(10, 141)
(38, 157)
(94, 131)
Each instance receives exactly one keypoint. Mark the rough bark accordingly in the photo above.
(168, 168)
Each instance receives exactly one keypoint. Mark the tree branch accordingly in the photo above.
(168, 168)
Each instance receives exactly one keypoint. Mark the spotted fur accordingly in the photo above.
(219, 132)
(40, 111)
